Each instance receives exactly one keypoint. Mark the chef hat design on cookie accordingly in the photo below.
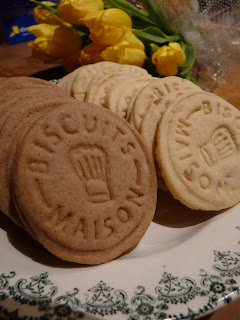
(219, 146)
(90, 164)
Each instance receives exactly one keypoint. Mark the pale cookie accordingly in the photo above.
(100, 86)
(85, 183)
(66, 82)
(120, 95)
(198, 150)
(153, 92)
(149, 125)
(86, 73)
(151, 119)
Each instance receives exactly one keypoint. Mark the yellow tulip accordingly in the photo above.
(129, 50)
(179, 53)
(167, 58)
(42, 15)
(107, 26)
(53, 41)
(91, 54)
(73, 10)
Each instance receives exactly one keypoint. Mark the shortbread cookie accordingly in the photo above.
(198, 151)
(120, 95)
(151, 119)
(85, 183)
(66, 82)
(10, 131)
(100, 86)
(86, 73)
(149, 125)
(153, 93)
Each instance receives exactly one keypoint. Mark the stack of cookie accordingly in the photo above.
(194, 136)
(77, 177)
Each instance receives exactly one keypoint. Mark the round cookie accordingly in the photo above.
(19, 95)
(21, 82)
(10, 132)
(151, 119)
(149, 125)
(12, 100)
(66, 82)
(100, 86)
(120, 95)
(198, 143)
(153, 92)
(86, 73)
(87, 185)
(150, 122)
(17, 89)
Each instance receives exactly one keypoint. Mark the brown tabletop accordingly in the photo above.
(16, 60)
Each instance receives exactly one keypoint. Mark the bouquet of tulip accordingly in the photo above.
(88, 31)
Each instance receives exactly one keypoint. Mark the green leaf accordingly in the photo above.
(190, 57)
(148, 36)
(54, 12)
(81, 30)
(154, 48)
(52, 9)
(154, 34)
(191, 78)
(158, 16)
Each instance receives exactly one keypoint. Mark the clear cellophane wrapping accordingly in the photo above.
(213, 27)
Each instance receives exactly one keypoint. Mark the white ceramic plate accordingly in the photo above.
(187, 265)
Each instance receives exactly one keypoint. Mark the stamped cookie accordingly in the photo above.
(12, 99)
(119, 97)
(21, 82)
(153, 92)
(100, 86)
(85, 183)
(198, 150)
(150, 122)
(151, 119)
(149, 125)
(86, 73)
(66, 82)
(10, 132)
(16, 89)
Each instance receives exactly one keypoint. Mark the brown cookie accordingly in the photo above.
(23, 82)
(21, 99)
(85, 183)
(14, 95)
(10, 131)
